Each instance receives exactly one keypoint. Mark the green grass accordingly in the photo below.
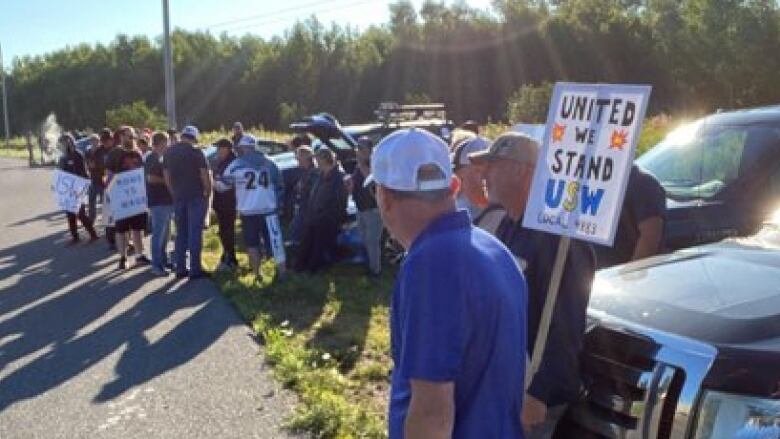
(327, 338)
(16, 149)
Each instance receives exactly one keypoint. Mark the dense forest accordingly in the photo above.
(698, 55)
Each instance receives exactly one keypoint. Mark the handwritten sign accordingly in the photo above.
(126, 195)
(587, 152)
(70, 190)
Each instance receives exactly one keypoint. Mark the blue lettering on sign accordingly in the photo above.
(552, 196)
(590, 201)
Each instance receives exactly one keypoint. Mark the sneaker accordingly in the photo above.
(142, 260)
(161, 272)
(182, 274)
(122, 263)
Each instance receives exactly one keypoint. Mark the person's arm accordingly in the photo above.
(205, 179)
(167, 178)
(651, 232)
(205, 175)
(649, 211)
(431, 413)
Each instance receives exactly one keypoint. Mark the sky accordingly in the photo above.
(35, 27)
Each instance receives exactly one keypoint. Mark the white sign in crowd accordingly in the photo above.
(125, 196)
(587, 152)
(70, 190)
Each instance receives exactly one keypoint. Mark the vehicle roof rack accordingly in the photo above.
(392, 112)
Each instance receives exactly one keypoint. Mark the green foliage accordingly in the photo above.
(699, 55)
(137, 114)
(327, 338)
(529, 104)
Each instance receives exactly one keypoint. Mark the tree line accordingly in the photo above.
(699, 55)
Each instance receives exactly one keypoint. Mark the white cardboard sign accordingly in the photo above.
(126, 195)
(587, 152)
(70, 190)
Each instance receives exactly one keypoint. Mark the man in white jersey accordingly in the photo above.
(259, 190)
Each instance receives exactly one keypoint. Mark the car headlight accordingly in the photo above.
(725, 415)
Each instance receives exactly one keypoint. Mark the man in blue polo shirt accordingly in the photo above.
(458, 313)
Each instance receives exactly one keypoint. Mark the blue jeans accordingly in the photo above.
(161, 233)
(189, 217)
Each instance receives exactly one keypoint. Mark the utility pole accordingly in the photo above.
(170, 90)
(5, 101)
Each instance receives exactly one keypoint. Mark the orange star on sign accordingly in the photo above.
(558, 132)
(619, 139)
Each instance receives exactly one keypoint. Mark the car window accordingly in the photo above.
(702, 165)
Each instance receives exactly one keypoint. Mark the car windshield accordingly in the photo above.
(698, 161)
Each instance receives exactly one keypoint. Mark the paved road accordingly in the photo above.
(89, 352)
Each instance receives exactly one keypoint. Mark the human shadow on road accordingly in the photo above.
(53, 316)
(50, 217)
(142, 360)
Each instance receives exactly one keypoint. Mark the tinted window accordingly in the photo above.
(698, 162)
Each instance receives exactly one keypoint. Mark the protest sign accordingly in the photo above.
(587, 152)
(582, 172)
(275, 234)
(70, 190)
(126, 195)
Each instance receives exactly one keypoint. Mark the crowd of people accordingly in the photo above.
(238, 181)
(468, 300)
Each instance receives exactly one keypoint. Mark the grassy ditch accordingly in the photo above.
(327, 338)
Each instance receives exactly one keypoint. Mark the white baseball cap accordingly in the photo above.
(191, 131)
(247, 140)
(397, 159)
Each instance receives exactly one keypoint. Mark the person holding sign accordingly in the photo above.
(509, 167)
(133, 226)
(259, 189)
(72, 162)
(458, 339)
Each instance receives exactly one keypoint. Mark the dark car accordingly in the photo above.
(685, 345)
(721, 175)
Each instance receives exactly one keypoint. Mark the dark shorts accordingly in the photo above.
(137, 222)
(254, 227)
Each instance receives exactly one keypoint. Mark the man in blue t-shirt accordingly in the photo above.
(458, 320)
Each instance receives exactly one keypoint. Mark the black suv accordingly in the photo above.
(721, 175)
(685, 345)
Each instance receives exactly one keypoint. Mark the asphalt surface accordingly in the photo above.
(87, 351)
